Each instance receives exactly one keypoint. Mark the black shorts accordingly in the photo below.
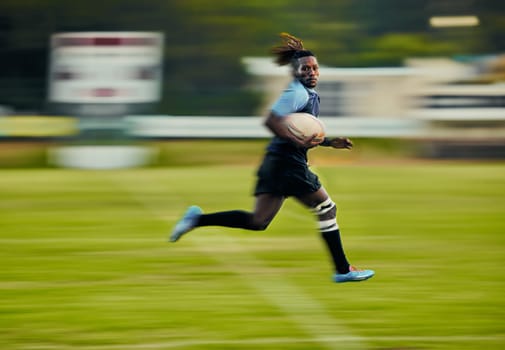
(280, 176)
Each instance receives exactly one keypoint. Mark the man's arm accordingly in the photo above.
(337, 142)
(277, 125)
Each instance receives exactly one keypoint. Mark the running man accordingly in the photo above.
(284, 171)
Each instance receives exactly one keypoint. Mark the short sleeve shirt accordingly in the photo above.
(296, 98)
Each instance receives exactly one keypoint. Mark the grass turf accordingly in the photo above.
(85, 262)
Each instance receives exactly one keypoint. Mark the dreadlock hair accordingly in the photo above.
(291, 49)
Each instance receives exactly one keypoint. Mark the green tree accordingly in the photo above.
(206, 39)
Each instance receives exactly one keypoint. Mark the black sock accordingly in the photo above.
(232, 218)
(334, 244)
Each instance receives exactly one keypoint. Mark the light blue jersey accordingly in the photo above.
(293, 99)
(296, 98)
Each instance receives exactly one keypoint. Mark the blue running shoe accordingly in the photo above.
(354, 275)
(187, 223)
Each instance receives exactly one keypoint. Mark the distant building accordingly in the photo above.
(455, 106)
(345, 92)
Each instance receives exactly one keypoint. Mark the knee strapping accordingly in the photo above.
(328, 225)
(324, 207)
(326, 222)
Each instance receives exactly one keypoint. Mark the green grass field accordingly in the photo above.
(85, 262)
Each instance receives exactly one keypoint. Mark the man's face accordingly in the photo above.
(307, 71)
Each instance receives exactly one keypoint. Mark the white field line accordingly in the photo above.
(305, 312)
(411, 340)
(72, 240)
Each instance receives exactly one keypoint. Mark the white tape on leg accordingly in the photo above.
(328, 225)
(323, 207)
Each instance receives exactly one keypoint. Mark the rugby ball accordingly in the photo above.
(304, 125)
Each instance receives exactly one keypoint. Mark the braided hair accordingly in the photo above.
(291, 49)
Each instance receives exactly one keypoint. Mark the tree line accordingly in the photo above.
(206, 39)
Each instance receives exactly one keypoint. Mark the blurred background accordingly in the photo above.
(170, 95)
(117, 72)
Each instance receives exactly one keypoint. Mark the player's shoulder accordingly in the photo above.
(294, 98)
(298, 87)
(297, 90)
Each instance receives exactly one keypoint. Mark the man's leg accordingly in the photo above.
(326, 211)
(266, 207)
